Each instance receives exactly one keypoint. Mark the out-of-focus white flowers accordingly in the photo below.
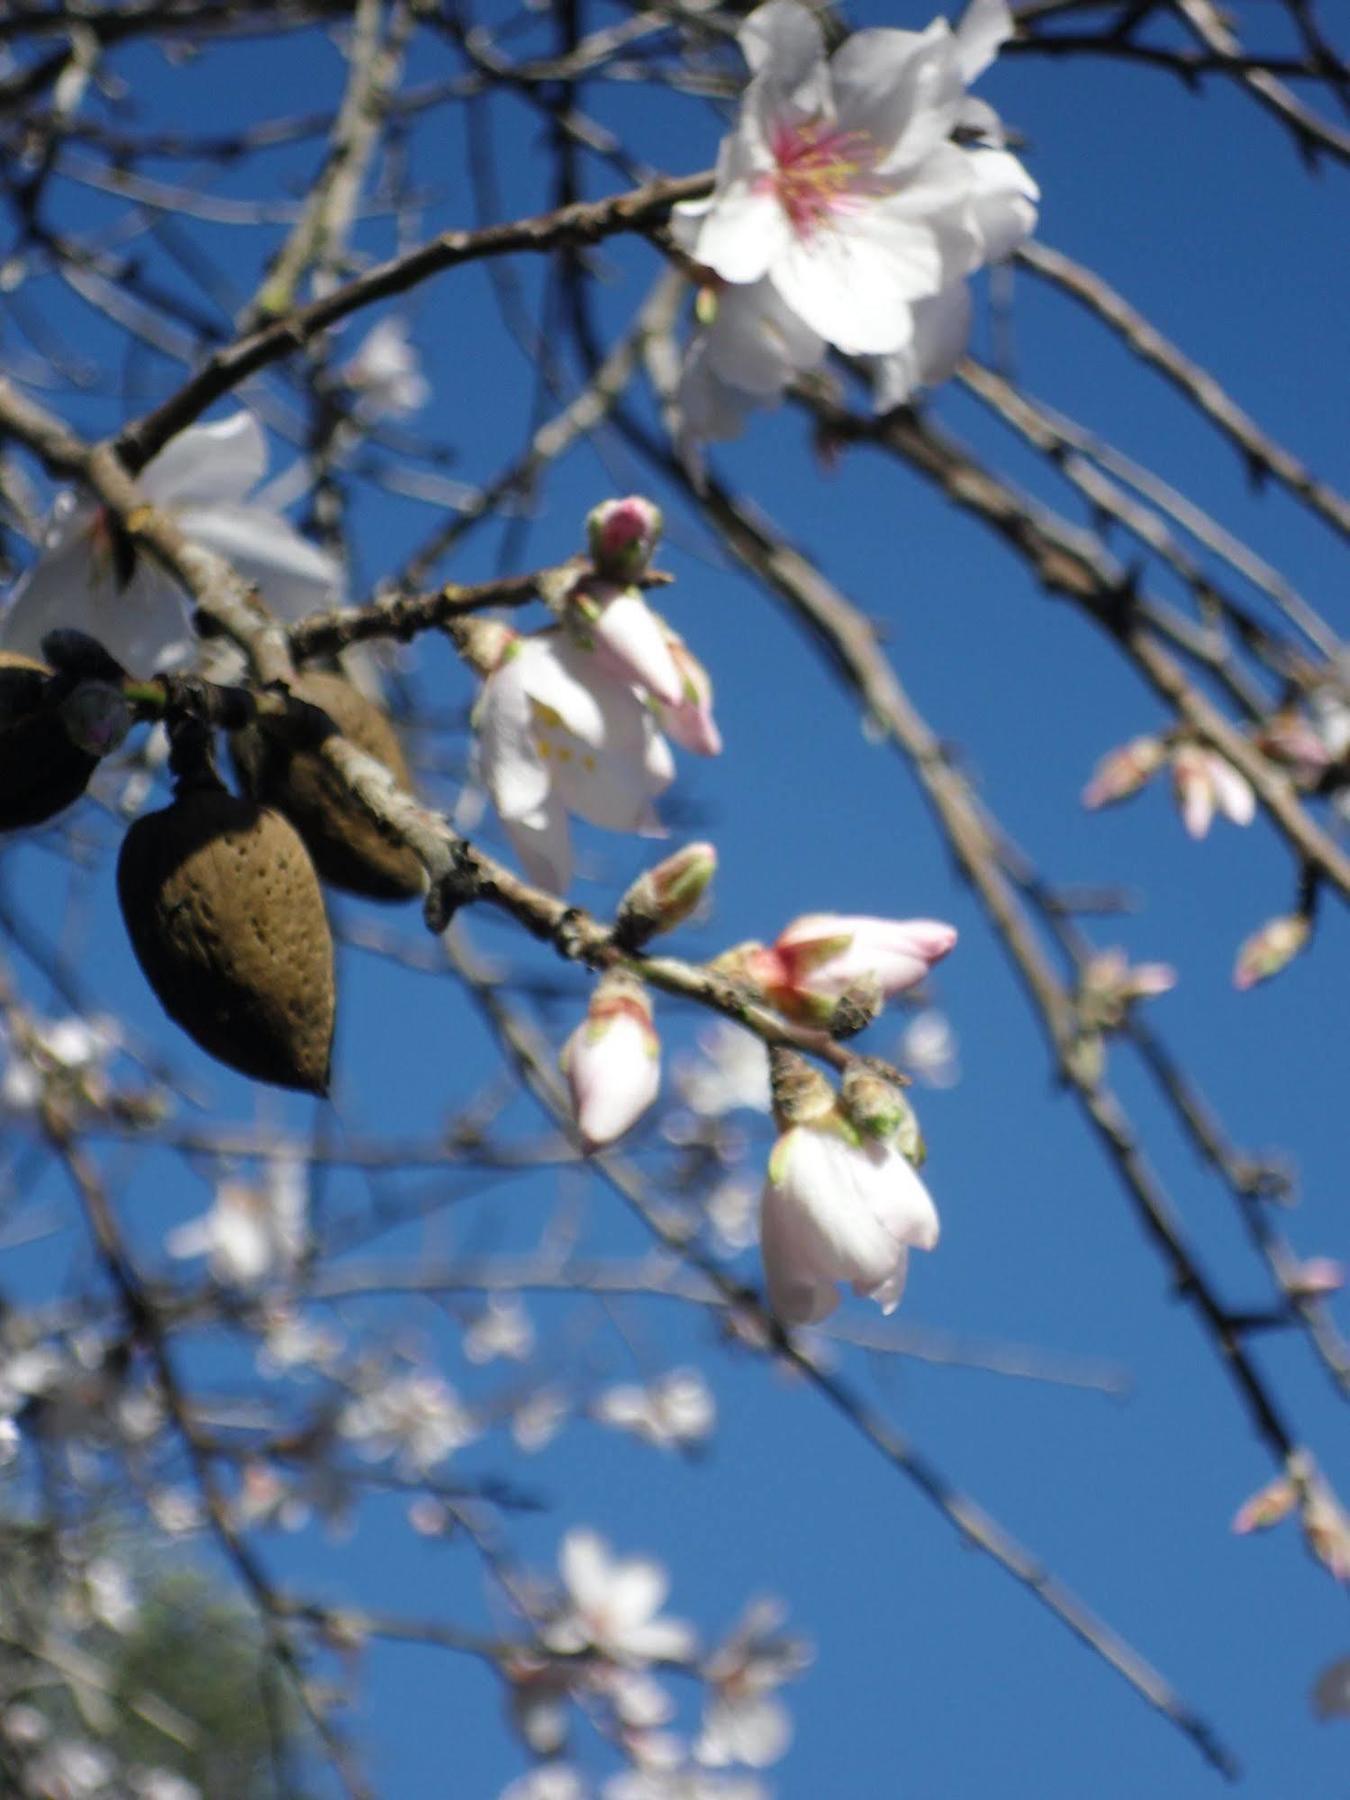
(676, 1411)
(847, 212)
(744, 1721)
(90, 577)
(612, 1605)
(412, 1415)
(929, 1049)
(386, 372)
(502, 1329)
(251, 1234)
(73, 1051)
(730, 1071)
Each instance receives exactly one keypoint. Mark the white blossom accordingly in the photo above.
(386, 372)
(672, 1412)
(251, 1234)
(613, 1603)
(503, 1328)
(90, 577)
(836, 1208)
(559, 735)
(414, 1415)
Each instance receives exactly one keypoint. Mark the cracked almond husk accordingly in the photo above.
(348, 848)
(227, 920)
(41, 770)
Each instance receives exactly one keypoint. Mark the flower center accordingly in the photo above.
(821, 171)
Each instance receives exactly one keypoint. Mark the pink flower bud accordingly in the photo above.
(622, 534)
(1267, 1506)
(1124, 771)
(665, 896)
(612, 1060)
(817, 957)
(1203, 781)
(1271, 949)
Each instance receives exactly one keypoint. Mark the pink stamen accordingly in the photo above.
(822, 171)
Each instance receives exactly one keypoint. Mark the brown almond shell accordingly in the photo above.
(227, 920)
(348, 848)
(41, 771)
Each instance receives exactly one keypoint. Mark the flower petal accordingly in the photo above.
(293, 576)
(986, 25)
(207, 464)
(903, 89)
(782, 40)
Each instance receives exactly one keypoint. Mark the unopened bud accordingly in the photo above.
(801, 1093)
(1271, 949)
(1267, 1506)
(621, 535)
(1124, 771)
(484, 644)
(96, 717)
(1316, 1278)
(879, 1110)
(612, 1060)
(857, 1007)
(665, 896)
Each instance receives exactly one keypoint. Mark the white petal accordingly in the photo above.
(986, 25)
(783, 40)
(586, 1566)
(208, 463)
(544, 845)
(711, 410)
(293, 576)
(744, 233)
(635, 645)
(896, 1193)
(1232, 790)
(1004, 202)
(854, 284)
(508, 764)
(799, 1292)
(758, 343)
(902, 88)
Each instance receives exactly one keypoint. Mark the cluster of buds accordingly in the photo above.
(843, 1200)
(1203, 781)
(1303, 1489)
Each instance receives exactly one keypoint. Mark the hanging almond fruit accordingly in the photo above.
(227, 920)
(41, 770)
(348, 847)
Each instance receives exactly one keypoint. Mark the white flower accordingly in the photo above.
(629, 638)
(675, 1410)
(386, 372)
(614, 1602)
(415, 1415)
(558, 735)
(250, 1234)
(732, 1071)
(91, 578)
(929, 1049)
(539, 1418)
(503, 1328)
(838, 1209)
(751, 347)
(838, 183)
(744, 1721)
(551, 1781)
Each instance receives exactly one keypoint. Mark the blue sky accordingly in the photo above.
(935, 1676)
